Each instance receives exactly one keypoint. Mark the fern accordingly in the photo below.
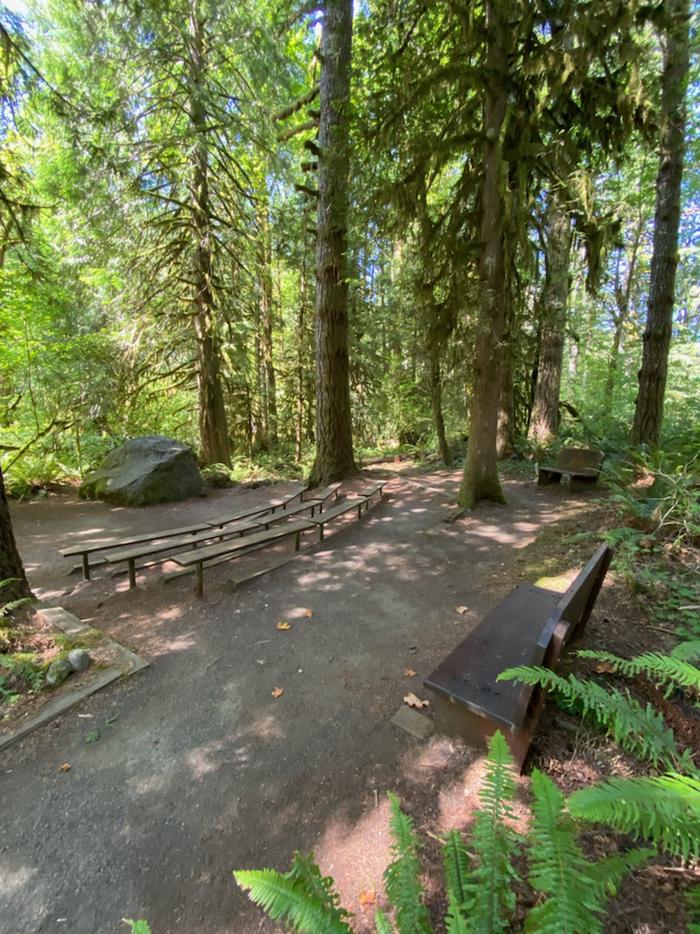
(663, 669)
(456, 864)
(640, 730)
(302, 897)
(575, 889)
(491, 901)
(559, 868)
(687, 651)
(663, 809)
(692, 900)
(382, 923)
(402, 876)
(455, 922)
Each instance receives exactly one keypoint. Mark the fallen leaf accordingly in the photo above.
(604, 668)
(308, 613)
(278, 692)
(368, 898)
(64, 767)
(283, 625)
(92, 736)
(414, 701)
(409, 673)
(462, 610)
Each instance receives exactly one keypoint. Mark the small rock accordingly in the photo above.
(58, 671)
(79, 660)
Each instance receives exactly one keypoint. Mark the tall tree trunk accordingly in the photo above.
(266, 316)
(480, 479)
(623, 292)
(11, 567)
(544, 418)
(334, 452)
(649, 409)
(505, 428)
(301, 356)
(213, 427)
(435, 381)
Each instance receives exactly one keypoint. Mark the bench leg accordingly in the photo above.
(86, 566)
(320, 532)
(359, 511)
(544, 477)
(578, 484)
(297, 541)
(132, 573)
(200, 578)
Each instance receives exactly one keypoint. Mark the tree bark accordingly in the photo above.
(623, 292)
(648, 415)
(266, 316)
(505, 428)
(480, 480)
(435, 380)
(334, 452)
(213, 426)
(11, 567)
(544, 418)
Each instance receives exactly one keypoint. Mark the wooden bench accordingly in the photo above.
(581, 465)
(88, 548)
(377, 487)
(268, 519)
(234, 548)
(325, 493)
(529, 627)
(281, 503)
(131, 555)
(359, 502)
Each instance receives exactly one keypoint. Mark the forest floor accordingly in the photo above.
(199, 770)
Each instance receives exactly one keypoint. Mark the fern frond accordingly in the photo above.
(302, 897)
(456, 863)
(607, 873)
(640, 730)
(491, 901)
(663, 669)
(663, 809)
(402, 876)
(692, 900)
(455, 922)
(558, 868)
(687, 651)
(382, 923)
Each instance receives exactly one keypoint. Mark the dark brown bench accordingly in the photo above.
(581, 465)
(234, 548)
(529, 627)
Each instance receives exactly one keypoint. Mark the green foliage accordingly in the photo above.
(402, 876)
(687, 651)
(137, 927)
(457, 867)
(663, 809)
(640, 730)
(575, 890)
(491, 899)
(302, 897)
(666, 670)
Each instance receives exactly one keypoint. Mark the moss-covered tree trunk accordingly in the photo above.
(334, 453)
(213, 425)
(648, 415)
(11, 567)
(480, 479)
(544, 417)
(266, 318)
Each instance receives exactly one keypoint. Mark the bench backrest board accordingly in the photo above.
(577, 601)
(580, 459)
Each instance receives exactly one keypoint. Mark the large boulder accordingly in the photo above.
(152, 469)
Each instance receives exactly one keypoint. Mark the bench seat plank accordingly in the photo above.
(206, 535)
(267, 520)
(505, 638)
(324, 493)
(282, 503)
(90, 547)
(200, 555)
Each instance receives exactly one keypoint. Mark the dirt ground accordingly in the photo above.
(198, 769)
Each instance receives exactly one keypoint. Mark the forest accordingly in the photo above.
(478, 242)
(305, 238)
